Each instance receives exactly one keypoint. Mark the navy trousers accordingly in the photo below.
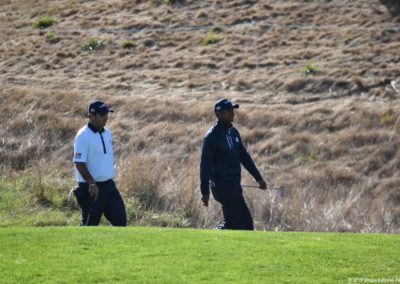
(109, 203)
(229, 194)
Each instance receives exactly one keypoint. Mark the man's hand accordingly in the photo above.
(262, 184)
(93, 191)
(205, 199)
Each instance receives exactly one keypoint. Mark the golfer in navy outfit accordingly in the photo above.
(94, 170)
(220, 168)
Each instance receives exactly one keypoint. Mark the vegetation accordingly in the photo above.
(44, 22)
(41, 200)
(93, 43)
(163, 95)
(129, 44)
(157, 162)
(310, 69)
(155, 255)
(306, 159)
(387, 118)
(210, 37)
(35, 200)
(50, 34)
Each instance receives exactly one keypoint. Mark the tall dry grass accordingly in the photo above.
(338, 163)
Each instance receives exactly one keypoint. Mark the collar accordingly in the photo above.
(94, 128)
(224, 125)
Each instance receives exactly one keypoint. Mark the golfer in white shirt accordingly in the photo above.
(94, 170)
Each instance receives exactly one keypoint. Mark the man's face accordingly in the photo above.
(225, 115)
(98, 120)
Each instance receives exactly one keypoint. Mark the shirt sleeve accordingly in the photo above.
(247, 161)
(207, 156)
(81, 147)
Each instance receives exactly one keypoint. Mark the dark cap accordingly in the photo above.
(98, 107)
(224, 104)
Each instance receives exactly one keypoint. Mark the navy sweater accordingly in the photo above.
(222, 154)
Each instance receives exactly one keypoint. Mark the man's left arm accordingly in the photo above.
(249, 165)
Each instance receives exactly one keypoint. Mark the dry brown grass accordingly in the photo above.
(166, 59)
(330, 137)
(333, 175)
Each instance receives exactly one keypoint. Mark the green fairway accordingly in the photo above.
(153, 255)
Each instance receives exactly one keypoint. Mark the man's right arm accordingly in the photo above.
(83, 170)
(207, 156)
(81, 147)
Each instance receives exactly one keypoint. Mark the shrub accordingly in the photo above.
(209, 38)
(306, 159)
(44, 22)
(93, 43)
(309, 69)
(51, 37)
(50, 34)
(129, 44)
(387, 118)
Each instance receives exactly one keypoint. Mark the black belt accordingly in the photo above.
(97, 182)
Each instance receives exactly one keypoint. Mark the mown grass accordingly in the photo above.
(153, 255)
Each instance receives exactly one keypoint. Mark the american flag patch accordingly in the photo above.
(78, 155)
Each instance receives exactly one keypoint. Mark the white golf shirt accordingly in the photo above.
(98, 156)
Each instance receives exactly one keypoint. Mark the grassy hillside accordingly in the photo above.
(317, 112)
(144, 255)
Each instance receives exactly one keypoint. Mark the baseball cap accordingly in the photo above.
(98, 107)
(224, 104)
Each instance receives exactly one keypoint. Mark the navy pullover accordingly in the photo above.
(222, 154)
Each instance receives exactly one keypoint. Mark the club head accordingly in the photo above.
(395, 86)
(71, 194)
(281, 191)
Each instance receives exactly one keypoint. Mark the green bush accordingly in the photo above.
(44, 22)
(306, 159)
(210, 37)
(129, 44)
(50, 34)
(386, 119)
(93, 43)
(309, 69)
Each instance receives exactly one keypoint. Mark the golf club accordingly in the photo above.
(70, 197)
(280, 189)
(395, 86)
(71, 194)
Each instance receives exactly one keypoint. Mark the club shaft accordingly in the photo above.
(256, 186)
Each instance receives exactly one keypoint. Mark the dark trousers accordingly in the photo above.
(237, 215)
(109, 203)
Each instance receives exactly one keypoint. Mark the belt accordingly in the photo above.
(97, 182)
